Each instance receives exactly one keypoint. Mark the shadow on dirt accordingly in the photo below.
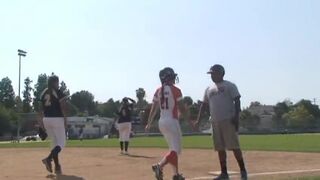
(64, 177)
(140, 156)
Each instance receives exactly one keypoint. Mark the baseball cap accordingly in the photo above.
(216, 67)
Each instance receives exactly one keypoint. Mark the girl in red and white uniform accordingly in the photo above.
(168, 98)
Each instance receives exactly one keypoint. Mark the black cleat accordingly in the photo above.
(47, 163)
(244, 175)
(178, 177)
(222, 176)
(57, 170)
(157, 171)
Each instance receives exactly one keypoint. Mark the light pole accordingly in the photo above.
(20, 53)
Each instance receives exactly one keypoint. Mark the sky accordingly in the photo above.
(270, 48)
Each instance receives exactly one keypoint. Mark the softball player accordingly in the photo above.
(124, 123)
(168, 99)
(54, 121)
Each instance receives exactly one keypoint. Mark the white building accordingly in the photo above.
(265, 112)
(93, 127)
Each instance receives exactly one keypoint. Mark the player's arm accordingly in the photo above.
(40, 116)
(236, 118)
(132, 101)
(41, 130)
(154, 110)
(41, 110)
(237, 104)
(235, 95)
(63, 105)
(203, 106)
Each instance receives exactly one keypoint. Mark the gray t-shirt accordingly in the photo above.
(220, 98)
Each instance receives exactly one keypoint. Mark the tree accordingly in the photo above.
(190, 107)
(248, 120)
(39, 87)
(144, 114)
(84, 101)
(27, 99)
(5, 117)
(255, 103)
(280, 109)
(109, 108)
(299, 117)
(142, 103)
(311, 108)
(72, 110)
(186, 124)
(7, 94)
(188, 100)
(64, 89)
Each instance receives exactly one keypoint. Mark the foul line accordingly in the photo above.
(284, 172)
(263, 173)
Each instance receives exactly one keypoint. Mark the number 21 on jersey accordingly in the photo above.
(164, 103)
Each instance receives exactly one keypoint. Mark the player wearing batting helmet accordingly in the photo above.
(168, 98)
(53, 103)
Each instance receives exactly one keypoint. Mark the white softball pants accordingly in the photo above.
(124, 131)
(55, 130)
(170, 128)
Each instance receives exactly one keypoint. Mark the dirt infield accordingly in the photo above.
(107, 164)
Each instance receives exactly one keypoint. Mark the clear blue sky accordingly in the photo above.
(270, 48)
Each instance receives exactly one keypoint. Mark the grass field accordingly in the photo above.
(289, 143)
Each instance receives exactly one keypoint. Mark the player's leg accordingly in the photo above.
(220, 147)
(47, 161)
(127, 136)
(121, 146)
(173, 137)
(164, 128)
(232, 143)
(121, 136)
(239, 157)
(172, 134)
(157, 168)
(177, 147)
(60, 141)
(223, 161)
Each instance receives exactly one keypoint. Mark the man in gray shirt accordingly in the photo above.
(223, 99)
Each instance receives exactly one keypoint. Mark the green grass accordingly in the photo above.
(294, 143)
(290, 143)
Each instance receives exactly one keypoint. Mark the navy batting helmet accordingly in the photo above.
(167, 74)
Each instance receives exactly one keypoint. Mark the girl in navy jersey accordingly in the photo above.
(124, 123)
(53, 103)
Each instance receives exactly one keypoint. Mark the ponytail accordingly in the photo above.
(162, 95)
